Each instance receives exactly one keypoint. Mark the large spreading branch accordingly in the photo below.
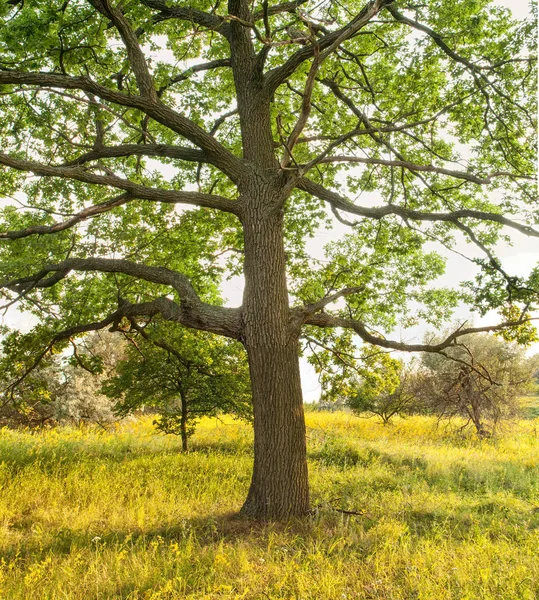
(277, 76)
(135, 190)
(338, 202)
(135, 55)
(326, 320)
(191, 311)
(122, 150)
(214, 150)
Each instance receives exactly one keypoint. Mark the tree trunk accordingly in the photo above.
(183, 423)
(279, 487)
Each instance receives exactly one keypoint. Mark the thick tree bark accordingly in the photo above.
(279, 487)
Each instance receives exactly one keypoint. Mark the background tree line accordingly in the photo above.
(180, 376)
(481, 381)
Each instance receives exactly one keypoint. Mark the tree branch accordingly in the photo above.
(74, 220)
(165, 150)
(193, 15)
(135, 190)
(207, 66)
(315, 307)
(327, 320)
(216, 152)
(339, 202)
(135, 55)
(415, 167)
(277, 9)
(191, 311)
(478, 71)
(305, 111)
(279, 75)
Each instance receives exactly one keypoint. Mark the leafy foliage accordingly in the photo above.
(150, 150)
(183, 376)
(62, 387)
(385, 390)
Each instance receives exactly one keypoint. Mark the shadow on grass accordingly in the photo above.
(398, 469)
(207, 530)
(337, 453)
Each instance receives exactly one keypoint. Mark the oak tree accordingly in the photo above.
(149, 148)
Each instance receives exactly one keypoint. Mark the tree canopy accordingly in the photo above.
(151, 148)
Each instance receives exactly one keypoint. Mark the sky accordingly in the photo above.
(518, 259)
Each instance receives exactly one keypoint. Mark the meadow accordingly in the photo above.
(407, 511)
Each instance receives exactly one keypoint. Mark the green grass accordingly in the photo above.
(86, 513)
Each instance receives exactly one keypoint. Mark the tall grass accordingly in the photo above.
(86, 513)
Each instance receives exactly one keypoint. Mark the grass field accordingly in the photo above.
(86, 513)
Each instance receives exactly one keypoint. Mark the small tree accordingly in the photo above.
(93, 361)
(184, 375)
(367, 379)
(480, 380)
(28, 404)
(385, 391)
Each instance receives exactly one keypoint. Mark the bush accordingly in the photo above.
(386, 392)
(480, 380)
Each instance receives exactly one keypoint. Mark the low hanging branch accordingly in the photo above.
(191, 311)
(327, 320)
